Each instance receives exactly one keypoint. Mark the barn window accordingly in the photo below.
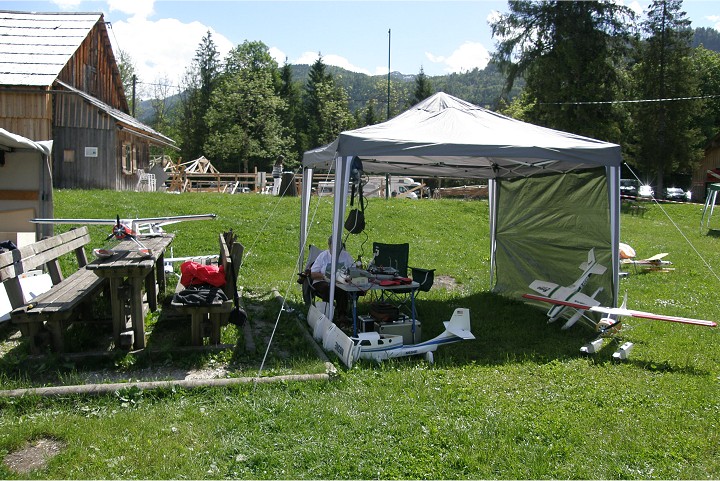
(68, 155)
(128, 158)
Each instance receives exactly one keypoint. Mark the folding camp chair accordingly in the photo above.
(396, 256)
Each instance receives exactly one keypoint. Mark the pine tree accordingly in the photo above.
(570, 53)
(292, 120)
(325, 107)
(423, 88)
(666, 136)
(199, 83)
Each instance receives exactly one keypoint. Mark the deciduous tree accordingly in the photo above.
(246, 111)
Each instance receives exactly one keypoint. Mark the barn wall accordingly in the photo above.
(93, 70)
(80, 125)
(27, 114)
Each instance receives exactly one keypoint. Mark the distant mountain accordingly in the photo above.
(480, 87)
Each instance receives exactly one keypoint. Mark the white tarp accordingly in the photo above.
(448, 137)
(444, 136)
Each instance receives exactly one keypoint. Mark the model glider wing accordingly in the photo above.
(619, 311)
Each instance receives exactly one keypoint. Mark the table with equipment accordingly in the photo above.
(131, 271)
(354, 291)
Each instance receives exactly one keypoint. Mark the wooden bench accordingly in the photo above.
(215, 315)
(67, 300)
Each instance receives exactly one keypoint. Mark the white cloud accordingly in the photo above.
(67, 4)
(133, 8)
(173, 45)
(716, 20)
(468, 56)
(309, 58)
(278, 55)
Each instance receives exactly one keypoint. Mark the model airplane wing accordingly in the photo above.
(620, 311)
(656, 257)
(74, 221)
(543, 287)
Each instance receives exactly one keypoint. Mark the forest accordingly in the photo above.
(650, 84)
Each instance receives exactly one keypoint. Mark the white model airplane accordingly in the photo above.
(379, 347)
(571, 293)
(141, 226)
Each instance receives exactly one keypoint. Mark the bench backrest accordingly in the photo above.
(230, 259)
(42, 253)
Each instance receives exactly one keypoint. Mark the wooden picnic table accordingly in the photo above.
(130, 273)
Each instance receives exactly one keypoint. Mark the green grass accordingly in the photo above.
(517, 402)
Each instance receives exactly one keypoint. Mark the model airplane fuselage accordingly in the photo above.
(379, 347)
(571, 293)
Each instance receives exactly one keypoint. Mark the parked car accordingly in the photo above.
(675, 193)
(645, 191)
(629, 187)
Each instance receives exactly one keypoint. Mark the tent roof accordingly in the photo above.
(13, 143)
(449, 137)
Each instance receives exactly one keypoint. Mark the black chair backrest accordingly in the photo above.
(424, 277)
(392, 255)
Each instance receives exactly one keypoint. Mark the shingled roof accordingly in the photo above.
(34, 47)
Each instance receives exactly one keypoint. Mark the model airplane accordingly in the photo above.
(379, 347)
(571, 293)
(141, 226)
(654, 263)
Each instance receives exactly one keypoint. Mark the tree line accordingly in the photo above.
(650, 84)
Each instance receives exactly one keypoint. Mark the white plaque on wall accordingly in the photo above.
(91, 151)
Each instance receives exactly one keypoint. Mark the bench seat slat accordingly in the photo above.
(62, 298)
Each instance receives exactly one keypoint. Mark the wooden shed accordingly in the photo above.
(59, 81)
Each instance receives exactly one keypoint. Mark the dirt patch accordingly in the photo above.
(34, 455)
(445, 282)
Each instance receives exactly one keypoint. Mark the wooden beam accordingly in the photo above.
(19, 194)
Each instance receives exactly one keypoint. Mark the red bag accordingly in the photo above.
(193, 274)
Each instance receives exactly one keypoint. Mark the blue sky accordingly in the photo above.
(161, 36)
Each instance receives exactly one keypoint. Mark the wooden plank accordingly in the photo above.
(19, 194)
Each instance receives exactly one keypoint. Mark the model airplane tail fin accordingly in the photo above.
(591, 265)
(459, 324)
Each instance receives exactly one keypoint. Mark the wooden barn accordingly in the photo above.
(708, 172)
(59, 81)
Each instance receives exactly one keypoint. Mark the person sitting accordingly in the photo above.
(320, 276)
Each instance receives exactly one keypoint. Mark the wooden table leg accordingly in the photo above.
(117, 306)
(136, 311)
(160, 272)
(151, 290)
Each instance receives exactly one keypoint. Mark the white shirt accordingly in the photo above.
(325, 258)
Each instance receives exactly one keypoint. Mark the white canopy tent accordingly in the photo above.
(25, 184)
(444, 136)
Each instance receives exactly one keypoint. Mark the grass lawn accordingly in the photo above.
(517, 402)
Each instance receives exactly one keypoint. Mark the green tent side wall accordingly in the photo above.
(545, 227)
